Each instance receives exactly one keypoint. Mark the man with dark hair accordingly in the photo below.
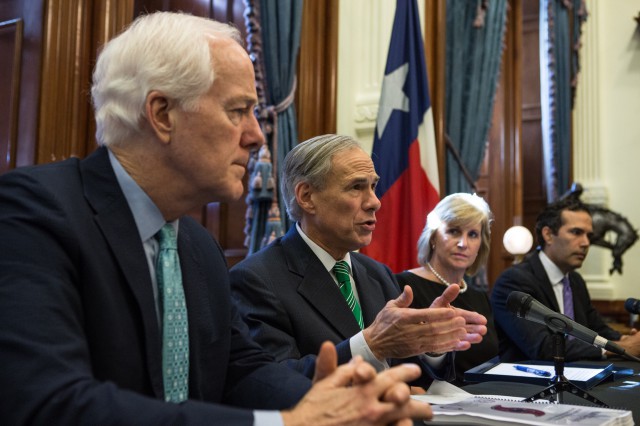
(563, 230)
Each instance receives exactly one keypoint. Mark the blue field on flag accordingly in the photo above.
(404, 152)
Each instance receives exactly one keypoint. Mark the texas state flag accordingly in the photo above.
(404, 152)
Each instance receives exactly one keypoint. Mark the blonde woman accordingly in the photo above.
(454, 243)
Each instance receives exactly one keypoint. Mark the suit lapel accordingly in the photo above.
(114, 218)
(316, 285)
(543, 278)
(369, 291)
(196, 281)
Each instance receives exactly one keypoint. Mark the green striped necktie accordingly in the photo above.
(341, 270)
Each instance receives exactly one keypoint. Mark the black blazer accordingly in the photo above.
(522, 339)
(292, 304)
(80, 341)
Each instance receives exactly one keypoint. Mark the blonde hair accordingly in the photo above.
(458, 209)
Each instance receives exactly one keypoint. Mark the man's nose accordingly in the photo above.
(252, 137)
(372, 202)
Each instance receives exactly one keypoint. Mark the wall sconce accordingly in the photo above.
(518, 241)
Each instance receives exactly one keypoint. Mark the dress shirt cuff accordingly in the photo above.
(435, 362)
(267, 418)
(359, 346)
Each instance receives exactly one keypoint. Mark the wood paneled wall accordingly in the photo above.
(11, 32)
(54, 45)
(21, 44)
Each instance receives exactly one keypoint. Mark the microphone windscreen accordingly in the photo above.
(632, 305)
(518, 303)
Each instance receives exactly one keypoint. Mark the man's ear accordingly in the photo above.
(547, 233)
(158, 108)
(304, 199)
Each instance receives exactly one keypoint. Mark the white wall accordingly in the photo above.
(607, 133)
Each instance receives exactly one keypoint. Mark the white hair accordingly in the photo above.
(164, 51)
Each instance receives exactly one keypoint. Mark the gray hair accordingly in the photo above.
(458, 209)
(164, 51)
(310, 162)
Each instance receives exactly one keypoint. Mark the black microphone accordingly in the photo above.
(632, 305)
(525, 306)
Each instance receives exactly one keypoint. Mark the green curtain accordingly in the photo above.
(273, 29)
(559, 67)
(475, 32)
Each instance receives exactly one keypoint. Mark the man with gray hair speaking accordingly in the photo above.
(310, 285)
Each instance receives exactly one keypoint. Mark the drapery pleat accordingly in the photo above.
(559, 66)
(475, 33)
(274, 29)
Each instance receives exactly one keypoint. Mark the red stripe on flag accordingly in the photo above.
(402, 216)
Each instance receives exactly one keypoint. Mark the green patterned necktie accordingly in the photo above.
(175, 327)
(341, 270)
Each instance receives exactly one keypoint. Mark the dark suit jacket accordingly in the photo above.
(79, 339)
(522, 339)
(292, 304)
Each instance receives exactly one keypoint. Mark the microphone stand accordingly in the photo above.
(560, 383)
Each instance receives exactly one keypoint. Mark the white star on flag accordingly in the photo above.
(392, 96)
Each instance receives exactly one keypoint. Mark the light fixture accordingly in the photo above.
(518, 241)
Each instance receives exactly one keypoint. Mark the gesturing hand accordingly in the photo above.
(475, 323)
(399, 331)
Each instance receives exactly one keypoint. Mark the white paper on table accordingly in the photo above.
(571, 373)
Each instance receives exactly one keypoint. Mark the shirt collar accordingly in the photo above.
(553, 272)
(327, 260)
(146, 214)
